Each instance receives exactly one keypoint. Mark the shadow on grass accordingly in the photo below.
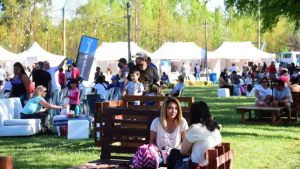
(236, 134)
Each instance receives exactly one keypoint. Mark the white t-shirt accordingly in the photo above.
(163, 138)
(248, 81)
(134, 88)
(52, 71)
(233, 68)
(202, 139)
(264, 92)
(2, 73)
(101, 89)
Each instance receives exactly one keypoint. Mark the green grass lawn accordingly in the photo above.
(255, 146)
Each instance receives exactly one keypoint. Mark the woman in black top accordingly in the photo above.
(20, 84)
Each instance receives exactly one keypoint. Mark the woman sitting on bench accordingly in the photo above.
(169, 130)
(204, 133)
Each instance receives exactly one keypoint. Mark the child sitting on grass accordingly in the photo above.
(74, 96)
(154, 90)
(134, 87)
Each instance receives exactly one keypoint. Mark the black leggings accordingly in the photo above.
(230, 87)
(41, 115)
(174, 157)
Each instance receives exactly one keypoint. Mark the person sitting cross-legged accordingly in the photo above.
(282, 97)
(178, 87)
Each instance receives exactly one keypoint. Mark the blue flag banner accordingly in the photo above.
(85, 55)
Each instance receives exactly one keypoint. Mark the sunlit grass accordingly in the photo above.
(255, 146)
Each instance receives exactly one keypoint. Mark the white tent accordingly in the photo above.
(108, 54)
(239, 53)
(116, 50)
(178, 50)
(37, 53)
(9, 56)
(239, 50)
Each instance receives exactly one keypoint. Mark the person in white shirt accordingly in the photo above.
(54, 96)
(101, 87)
(233, 68)
(204, 133)
(2, 76)
(185, 71)
(168, 130)
(263, 93)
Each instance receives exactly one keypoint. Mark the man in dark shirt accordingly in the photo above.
(42, 77)
(149, 74)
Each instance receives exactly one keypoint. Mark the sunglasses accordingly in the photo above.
(264, 82)
(45, 91)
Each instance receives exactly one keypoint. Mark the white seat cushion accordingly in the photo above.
(18, 122)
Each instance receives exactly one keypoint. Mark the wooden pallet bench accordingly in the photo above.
(98, 116)
(219, 157)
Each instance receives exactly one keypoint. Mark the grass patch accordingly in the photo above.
(255, 146)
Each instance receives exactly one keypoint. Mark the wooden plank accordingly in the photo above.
(260, 108)
(221, 150)
(119, 149)
(141, 142)
(222, 159)
(155, 98)
(212, 156)
(126, 132)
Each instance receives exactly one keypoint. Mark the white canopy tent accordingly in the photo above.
(37, 53)
(239, 53)
(7, 59)
(108, 54)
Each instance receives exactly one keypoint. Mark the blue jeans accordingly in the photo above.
(54, 99)
(197, 76)
(185, 75)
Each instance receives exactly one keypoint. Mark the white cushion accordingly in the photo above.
(19, 122)
(223, 92)
(78, 129)
(24, 130)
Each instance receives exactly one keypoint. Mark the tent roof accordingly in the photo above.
(108, 51)
(42, 55)
(239, 50)
(7, 55)
(178, 50)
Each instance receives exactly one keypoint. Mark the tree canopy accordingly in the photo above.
(270, 11)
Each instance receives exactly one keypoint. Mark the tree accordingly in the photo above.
(271, 11)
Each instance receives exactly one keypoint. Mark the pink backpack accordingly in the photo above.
(146, 157)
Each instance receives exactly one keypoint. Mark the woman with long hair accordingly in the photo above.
(20, 84)
(34, 108)
(169, 129)
(263, 93)
(204, 133)
(101, 86)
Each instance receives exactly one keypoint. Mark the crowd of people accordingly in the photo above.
(256, 77)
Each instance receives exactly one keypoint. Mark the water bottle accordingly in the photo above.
(76, 110)
(164, 154)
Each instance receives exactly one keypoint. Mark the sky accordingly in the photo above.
(72, 5)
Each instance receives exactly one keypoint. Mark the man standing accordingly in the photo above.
(124, 73)
(149, 74)
(282, 97)
(42, 77)
(150, 63)
(245, 70)
(184, 71)
(75, 72)
(54, 95)
(2, 75)
(254, 67)
(197, 71)
(233, 68)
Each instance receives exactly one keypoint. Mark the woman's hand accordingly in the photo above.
(65, 105)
